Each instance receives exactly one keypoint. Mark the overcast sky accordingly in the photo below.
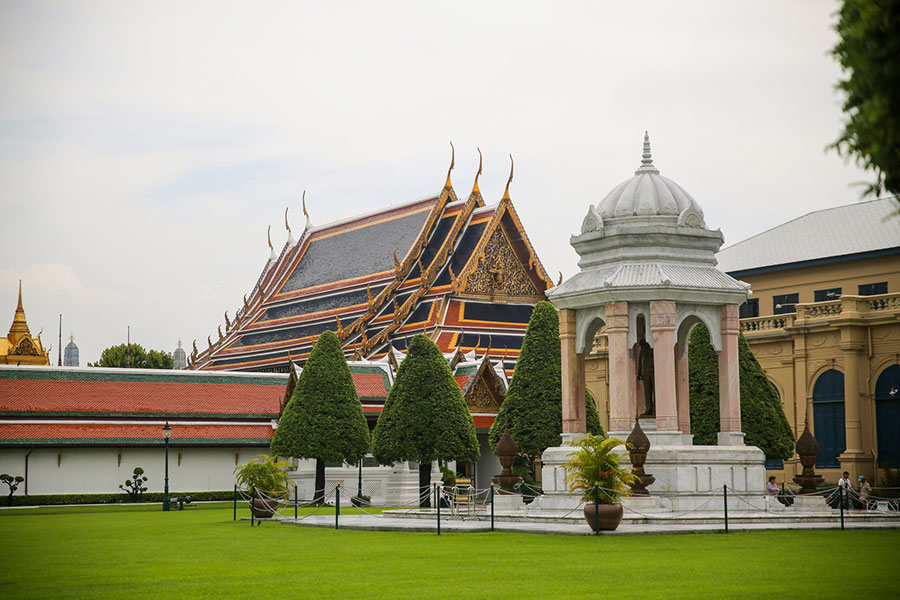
(145, 147)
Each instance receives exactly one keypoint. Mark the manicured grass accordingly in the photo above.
(202, 553)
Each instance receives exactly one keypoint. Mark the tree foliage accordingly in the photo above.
(12, 482)
(868, 51)
(762, 416)
(134, 487)
(425, 417)
(533, 403)
(136, 358)
(324, 418)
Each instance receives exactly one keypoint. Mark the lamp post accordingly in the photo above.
(167, 431)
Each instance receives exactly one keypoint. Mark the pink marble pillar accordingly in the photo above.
(683, 391)
(573, 417)
(662, 325)
(729, 372)
(621, 372)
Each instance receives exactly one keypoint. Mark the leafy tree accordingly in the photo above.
(868, 51)
(425, 417)
(12, 482)
(136, 357)
(135, 486)
(533, 403)
(762, 416)
(324, 418)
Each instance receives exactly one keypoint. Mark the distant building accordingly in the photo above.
(824, 322)
(19, 347)
(70, 354)
(179, 357)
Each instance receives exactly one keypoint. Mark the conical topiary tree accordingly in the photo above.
(533, 403)
(425, 417)
(323, 419)
(762, 416)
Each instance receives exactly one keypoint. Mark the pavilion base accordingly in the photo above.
(688, 477)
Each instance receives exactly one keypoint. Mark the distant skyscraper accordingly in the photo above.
(179, 357)
(70, 354)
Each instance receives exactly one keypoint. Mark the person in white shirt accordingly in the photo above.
(844, 489)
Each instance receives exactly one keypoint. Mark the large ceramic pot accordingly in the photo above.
(263, 508)
(609, 516)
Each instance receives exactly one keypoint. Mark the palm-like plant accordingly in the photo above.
(264, 476)
(595, 465)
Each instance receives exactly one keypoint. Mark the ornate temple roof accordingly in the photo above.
(460, 271)
(70, 353)
(19, 346)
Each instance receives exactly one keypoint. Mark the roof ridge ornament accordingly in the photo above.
(287, 226)
(271, 247)
(306, 214)
(647, 165)
(512, 166)
(475, 189)
(452, 164)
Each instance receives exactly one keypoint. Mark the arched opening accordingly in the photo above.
(774, 463)
(887, 416)
(828, 418)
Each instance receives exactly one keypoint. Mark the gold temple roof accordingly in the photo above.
(19, 346)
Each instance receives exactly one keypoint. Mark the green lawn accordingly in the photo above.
(141, 552)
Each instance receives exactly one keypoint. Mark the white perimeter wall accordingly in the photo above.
(99, 470)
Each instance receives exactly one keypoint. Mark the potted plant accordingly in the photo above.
(596, 473)
(266, 481)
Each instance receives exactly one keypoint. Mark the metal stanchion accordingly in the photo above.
(725, 503)
(437, 495)
(596, 510)
(235, 503)
(295, 502)
(252, 514)
(841, 502)
(337, 504)
(492, 506)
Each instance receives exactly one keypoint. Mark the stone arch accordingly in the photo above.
(587, 323)
(689, 315)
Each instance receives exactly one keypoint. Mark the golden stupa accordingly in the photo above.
(19, 347)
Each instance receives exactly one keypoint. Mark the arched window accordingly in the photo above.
(828, 418)
(887, 416)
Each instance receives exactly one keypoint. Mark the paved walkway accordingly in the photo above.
(698, 523)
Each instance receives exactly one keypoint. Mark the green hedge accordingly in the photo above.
(116, 498)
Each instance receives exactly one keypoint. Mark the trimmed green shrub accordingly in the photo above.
(324, 419)
(425, 417)
(762, 416)
(134, 487)
(114, 498)
(533, 403)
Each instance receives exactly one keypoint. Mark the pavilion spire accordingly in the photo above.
(646, 158)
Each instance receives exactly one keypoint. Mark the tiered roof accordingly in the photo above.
(19, 346)
(463, 273)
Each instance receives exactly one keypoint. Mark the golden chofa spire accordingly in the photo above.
(508, 181)
(452, 164)
(19, 328)
(475, 189)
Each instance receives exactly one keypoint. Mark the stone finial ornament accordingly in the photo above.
(506, 451)
(807, 449)
(638, 445)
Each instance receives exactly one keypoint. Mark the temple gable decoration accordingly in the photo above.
(19, 347)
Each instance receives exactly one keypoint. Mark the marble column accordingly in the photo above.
(683, 391)
(729, 380)
(573, 416)
(621, 415)
(662, 326)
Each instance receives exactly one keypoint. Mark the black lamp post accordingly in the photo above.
(167, 431)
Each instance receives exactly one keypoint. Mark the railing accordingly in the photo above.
(857, 306)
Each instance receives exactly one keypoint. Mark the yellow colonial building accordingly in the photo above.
(823, 319)
(19, 347)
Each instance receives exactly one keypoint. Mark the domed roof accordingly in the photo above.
(647, 197)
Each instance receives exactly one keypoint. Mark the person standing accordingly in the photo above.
(865, 490)
(844, 490)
